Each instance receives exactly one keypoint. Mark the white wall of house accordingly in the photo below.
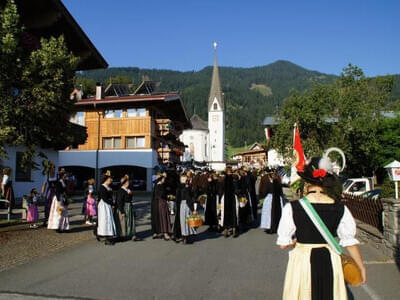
(36, 177)
(196, 142)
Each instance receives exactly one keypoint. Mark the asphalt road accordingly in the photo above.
(249, 267)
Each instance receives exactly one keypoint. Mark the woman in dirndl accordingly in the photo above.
(163, 211)
(49, 190)
(272, 207)
(105, 218)
(126, 228)
(314, 270)
(185, 200)
(58, 216)
(210, 213)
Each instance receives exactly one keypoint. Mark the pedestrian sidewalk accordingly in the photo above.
(20, 244)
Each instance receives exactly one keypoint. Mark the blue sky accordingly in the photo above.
(322, 35)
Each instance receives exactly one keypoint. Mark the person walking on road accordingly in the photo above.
(185, 200)
(314, 270)
(105, 219)
(125, 219)
(58, 216)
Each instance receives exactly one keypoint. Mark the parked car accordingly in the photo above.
(374, 194)
(357, 186)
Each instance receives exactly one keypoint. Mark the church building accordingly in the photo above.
(209, 146)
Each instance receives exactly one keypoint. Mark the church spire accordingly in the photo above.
(215, 91)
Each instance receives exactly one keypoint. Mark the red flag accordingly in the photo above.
(298, 152)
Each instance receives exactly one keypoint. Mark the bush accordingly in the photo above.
(387, 188)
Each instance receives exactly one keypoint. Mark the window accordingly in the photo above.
(78, 118)
(22, 173)
(140, 142)
(215, 106)
(136, 112)
(113, 114)
(358, 187)
(112, 143)
(135, 142)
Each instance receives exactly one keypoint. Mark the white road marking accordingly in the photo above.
(371, 292)
(377, 262)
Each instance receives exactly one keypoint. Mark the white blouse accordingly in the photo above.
(346, 230)
(5, 179)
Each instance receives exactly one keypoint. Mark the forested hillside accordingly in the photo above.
(250, 93)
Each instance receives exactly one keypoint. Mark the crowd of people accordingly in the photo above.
(228, 202)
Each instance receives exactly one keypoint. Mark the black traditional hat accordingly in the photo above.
(318, 172)
(313, 173)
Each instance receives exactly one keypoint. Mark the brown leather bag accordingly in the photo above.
(351, 271)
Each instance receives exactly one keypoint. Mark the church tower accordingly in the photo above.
(216, 119)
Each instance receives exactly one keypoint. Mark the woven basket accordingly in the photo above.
(195, 222)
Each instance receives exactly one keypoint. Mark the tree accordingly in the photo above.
(388, 136)
(36, 83)
(360, 105)
(345, 114)
(310, 110)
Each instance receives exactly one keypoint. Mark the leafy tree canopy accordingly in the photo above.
(346, 114)
(35, 87)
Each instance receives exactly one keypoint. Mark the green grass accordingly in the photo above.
(232, 150)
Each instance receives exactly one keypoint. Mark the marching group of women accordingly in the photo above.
(229, 200)
(115, 215)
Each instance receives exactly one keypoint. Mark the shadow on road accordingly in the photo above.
(207, 235)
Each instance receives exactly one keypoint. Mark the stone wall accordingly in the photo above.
(387, 242)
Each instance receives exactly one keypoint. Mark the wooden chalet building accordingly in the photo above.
(129, 133)
(254, 157)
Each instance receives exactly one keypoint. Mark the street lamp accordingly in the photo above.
(393, 170)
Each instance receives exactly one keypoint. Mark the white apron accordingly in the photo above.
(58, 216)
(105, 219)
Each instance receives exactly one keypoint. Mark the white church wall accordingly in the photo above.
(197, 144)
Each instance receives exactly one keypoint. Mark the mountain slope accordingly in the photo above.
(250, 93)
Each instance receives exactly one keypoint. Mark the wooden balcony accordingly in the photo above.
(117, 127)
(166, 126)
